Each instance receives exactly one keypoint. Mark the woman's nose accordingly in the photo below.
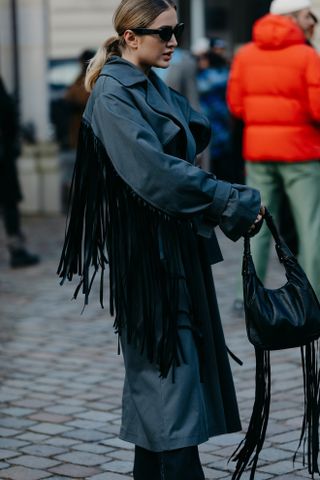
(173, 41)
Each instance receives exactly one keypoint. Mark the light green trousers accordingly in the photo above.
(301, 182)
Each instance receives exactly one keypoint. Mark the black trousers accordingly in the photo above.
(11, 218)
(181, 464)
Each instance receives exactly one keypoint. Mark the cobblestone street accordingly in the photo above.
(61, 377)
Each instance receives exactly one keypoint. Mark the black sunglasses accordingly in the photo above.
(165, 33)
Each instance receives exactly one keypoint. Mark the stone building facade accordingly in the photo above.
(34, 33)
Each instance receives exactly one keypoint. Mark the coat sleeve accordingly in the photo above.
(313, 84)
(168, 183)
(234, 89)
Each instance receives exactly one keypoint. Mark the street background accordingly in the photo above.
(61, 377)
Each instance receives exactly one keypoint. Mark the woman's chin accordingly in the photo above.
(163, 63)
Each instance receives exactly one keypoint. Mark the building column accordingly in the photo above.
(197, 19)
(33, 47)
(6, 50)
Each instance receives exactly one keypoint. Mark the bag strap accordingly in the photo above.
(282, 249)
(272, 227)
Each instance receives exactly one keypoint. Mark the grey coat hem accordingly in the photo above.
(173, 443)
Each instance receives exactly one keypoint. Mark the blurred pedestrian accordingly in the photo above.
(275, 88)
(212, 80)
(310, 31)
(182, 76)
(138, 197)
(10, 193)
(75, 99)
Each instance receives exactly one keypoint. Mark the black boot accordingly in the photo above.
(146, 465)
(20, 257)
(180, 464)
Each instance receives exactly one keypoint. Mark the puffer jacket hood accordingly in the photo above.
(274, 32)
(274, 87)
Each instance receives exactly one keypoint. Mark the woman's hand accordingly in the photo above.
(255, 228)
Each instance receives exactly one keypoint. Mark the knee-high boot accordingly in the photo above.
(179, 464)
(146, 465)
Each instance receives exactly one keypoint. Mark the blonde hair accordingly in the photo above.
(129, 14)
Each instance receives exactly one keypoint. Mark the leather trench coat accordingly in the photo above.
(141, 204)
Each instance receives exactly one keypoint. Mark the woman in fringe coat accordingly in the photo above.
(141, 206)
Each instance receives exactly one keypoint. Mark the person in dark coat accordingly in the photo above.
(10, 192)
(73, 105)
(212, 79)
(140, 205)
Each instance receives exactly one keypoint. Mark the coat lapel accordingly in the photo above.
(168, 120)
(160, 98)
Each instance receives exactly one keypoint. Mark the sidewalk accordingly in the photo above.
(61, 378)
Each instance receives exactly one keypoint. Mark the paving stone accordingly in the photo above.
(94, 448)
(8, 432)
(17, 412)
(290, 476)
(57, 477)
(257, 476)
(126, 455)
(286, 436)
(110, 476)
(279, 467)
(8, 395)
(61, 442)
(50, 417)
(212, 474)
(82, 458)
(274, 454)
(65, 409)
(6, 454)
(85, 435)
(49, 428)
(22, 473)
(117, 443)
(32, 403)
(118, 466)
(84, 424)
(73, 401)
(33, 437)
(43, 450)
(97, 416)
(33, 461)
(74, 471)
(43, 388)
(12, 443)
(16, 423)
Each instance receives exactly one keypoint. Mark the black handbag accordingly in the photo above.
(286, 317)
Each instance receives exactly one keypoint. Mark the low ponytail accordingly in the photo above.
(129, 15)
(112, 46)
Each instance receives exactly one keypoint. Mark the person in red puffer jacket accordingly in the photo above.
(274, 88)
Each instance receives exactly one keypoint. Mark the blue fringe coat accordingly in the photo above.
(140, 205)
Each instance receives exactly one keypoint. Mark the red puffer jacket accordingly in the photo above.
(275, 88)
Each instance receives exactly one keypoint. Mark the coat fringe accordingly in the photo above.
(145, 248)
(247, 453)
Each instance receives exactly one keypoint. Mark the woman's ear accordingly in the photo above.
(130, 39)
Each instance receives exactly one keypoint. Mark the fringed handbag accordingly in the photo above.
(277, 319)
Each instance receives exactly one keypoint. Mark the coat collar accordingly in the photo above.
(132, 75)
(158, 96)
